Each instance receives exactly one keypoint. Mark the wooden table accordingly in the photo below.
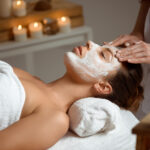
(29, 47)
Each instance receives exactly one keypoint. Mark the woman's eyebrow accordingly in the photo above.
(110, 52)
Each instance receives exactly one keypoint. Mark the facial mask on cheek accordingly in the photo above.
(92, 63)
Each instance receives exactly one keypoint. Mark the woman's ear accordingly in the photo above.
(103, 87)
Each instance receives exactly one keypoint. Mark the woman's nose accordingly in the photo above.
(83, 51)
(89, 45)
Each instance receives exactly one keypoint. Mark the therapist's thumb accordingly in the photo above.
(122, 40)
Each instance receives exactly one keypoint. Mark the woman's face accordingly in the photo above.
(91, 62)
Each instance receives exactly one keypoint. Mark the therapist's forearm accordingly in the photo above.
(139, 26)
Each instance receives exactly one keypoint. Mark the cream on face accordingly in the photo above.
(97, 62)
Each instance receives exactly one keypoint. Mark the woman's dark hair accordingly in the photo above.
(127, 91)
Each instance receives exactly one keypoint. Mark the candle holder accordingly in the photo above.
(64, 24)
(19, 8)
(36, 30)
(20, 33)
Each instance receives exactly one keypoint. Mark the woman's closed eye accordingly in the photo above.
(106, 54)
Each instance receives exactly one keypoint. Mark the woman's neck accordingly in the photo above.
(66, 91)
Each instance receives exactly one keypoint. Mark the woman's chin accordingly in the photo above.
(70, 59)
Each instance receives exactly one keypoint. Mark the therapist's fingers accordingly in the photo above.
(139, 60)
(134, 56)
(138, 53)
(121, 40)
(131, 50)
(125, 40)
(114, 41)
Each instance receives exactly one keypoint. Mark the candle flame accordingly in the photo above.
(18, 3)
(20, 27)
(36, 25)
(63, 19)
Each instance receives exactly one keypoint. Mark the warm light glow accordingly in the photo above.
(64, 24)
(20, 27)
(63, 19)
(18, 3)
(36, 25)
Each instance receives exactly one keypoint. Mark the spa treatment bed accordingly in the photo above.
(116, 137)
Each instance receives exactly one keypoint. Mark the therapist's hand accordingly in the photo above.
(126, 39)
(136, 53)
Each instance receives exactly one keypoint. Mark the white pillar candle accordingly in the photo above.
(64, 24)
(19, 8)
(20, 33)
(5, 8)
(36, 30)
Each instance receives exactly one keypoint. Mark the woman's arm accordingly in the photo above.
(35, 132)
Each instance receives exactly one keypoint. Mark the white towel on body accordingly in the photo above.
(12, 96)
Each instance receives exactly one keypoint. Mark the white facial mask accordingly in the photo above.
(91, 66)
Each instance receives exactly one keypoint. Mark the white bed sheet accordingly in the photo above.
(117, 139)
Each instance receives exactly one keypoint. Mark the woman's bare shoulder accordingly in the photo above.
(53, 113)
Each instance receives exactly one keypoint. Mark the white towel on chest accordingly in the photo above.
(12, 96)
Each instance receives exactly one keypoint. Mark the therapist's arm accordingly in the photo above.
(137, 50)
(139, 26)
(138, 31)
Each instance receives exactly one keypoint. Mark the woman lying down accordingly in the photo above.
(33, 114)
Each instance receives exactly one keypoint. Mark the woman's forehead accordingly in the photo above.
(103, 47)
(115, 62)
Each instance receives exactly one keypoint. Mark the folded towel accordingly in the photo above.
(91, 115)
(12, 96)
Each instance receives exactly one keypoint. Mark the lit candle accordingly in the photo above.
(36, 29)
(19, 8)
(64, 24)
(20, 33)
